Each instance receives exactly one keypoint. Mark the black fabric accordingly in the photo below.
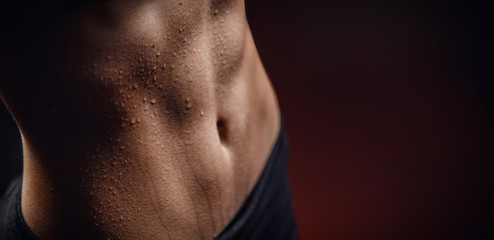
(12, 224)
(265, 214)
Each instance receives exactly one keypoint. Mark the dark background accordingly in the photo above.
(388, 109)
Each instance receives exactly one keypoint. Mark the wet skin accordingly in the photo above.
(140, 119)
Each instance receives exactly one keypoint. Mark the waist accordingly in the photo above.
(141, 118)
(179, 160)
(265, 213)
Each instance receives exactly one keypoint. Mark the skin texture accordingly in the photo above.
(140, 119)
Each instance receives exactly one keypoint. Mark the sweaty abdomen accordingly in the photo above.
(163, 112)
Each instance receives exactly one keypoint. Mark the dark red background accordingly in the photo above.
(388, 109)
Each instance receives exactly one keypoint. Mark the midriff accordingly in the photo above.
(140, 119)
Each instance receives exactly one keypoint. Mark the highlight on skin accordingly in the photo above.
(140, 119)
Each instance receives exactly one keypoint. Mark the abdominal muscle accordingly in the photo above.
(148, 120)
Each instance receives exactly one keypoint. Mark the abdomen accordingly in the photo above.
(166, 116)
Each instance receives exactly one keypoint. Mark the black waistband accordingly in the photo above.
(267, 212)
(12, 224)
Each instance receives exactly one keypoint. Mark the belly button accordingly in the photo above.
(222, 130)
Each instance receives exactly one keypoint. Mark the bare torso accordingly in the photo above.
(140, 119)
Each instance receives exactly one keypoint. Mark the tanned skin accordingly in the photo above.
(148, 119)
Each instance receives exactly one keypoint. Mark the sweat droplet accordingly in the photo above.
(202, 113)
(153, 101)
(133, 120)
